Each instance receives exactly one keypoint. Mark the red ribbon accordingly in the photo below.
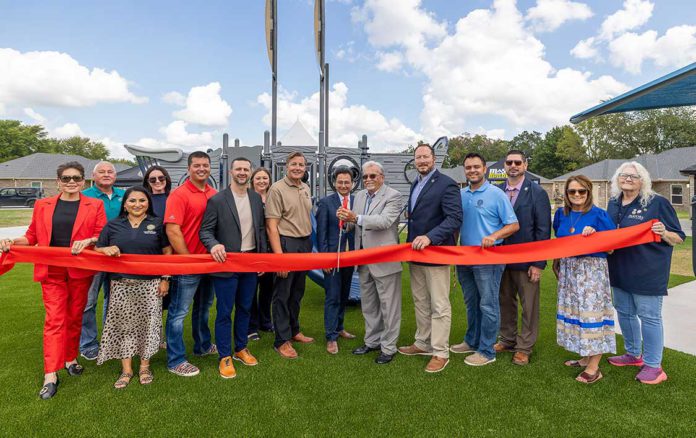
(252, 262)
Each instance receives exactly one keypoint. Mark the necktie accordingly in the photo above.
(367, 203)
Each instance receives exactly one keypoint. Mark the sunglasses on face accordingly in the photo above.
(631, 176)
(154, 179)
(577, 191)
(370, 176)
(515, 162)
(66, 178)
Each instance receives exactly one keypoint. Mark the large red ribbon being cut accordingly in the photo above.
(251, 262)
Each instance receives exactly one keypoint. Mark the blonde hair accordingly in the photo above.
(646, 191)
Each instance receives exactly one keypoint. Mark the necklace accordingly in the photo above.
(135, 224)
(572, 226)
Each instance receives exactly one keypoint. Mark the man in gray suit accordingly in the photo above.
(375, 216)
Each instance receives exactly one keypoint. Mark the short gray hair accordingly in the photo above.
(372, 163)
(646, 191)
(103, 163)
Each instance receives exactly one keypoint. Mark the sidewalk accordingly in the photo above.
(686, 226)
(6, 232)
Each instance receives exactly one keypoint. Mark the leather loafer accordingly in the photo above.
(48, 390)
(364, 350)
(302, 339)
(346, 335)
(332, 347)
(384, 358)
(520, 358)
(75, 369)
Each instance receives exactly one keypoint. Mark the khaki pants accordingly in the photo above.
(513, 285)
(430, 288)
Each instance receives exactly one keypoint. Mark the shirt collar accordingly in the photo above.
(517, 186)
(288, 181)
(422, 178)
(195, 189)
(483, 187)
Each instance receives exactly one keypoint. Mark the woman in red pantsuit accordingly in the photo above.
(66, 220)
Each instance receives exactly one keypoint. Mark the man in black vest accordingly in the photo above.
(234, 222)
(533, 210)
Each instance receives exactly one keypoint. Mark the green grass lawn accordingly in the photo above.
(15, 217)
(320, 394)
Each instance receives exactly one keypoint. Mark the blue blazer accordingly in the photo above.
(438, 211)
(533, 210)
(327, 225)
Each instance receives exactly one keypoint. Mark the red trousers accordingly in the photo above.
(64, 299)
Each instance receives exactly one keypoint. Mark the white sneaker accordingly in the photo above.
(461, 348)
(478, 360)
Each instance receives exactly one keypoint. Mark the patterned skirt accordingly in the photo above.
(133, 320)
(585, 316)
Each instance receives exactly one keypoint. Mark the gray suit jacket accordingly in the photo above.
(221, 224)
(379, 225)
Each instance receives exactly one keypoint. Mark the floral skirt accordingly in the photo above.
(585, 316)
(133, 320)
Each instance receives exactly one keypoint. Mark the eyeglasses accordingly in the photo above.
(515, 162)
(67, 178)
(154, 179)
(370, 176)
(576, 191)
(631, 176)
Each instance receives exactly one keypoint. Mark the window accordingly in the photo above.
(8, 192)
(36, 184)
(676, 194)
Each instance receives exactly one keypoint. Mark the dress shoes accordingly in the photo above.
(520, 358)
(436, 364)
(286, 351)
(412, 350)
(75, 369)
(384, 358)
(499, 347)
(332, 347)
(346, 335)
(226, 368)
(302, 339)
(364, 349)
(48, 390)
(245, 357)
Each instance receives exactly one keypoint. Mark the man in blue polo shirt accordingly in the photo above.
(103, 177)
(488, 219)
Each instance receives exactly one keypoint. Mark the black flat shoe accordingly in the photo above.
(364, 350)
(75, 369)
(384, 358)
(48, 390)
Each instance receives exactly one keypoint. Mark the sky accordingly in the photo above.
(182, 73)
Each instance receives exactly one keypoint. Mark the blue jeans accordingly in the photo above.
(238, 289)
(481, 288)
(337, 291)
(640, 316)
(196, 289)
(88, 336)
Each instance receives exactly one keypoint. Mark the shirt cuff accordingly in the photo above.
(359, 220)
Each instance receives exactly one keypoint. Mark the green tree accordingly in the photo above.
(527, 142)
(491, 149)
(561, 151)
(82, 146)
(17, 140)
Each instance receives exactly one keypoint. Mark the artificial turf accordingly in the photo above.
(343, 395)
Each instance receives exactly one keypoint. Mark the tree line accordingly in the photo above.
(19, 140)
(563, 149)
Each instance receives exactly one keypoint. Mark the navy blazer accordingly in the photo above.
(533, 210)
(327, 225)
(438, 211)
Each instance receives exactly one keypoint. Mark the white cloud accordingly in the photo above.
(68, 130)
(389, 61)
(549, 15)
(34, 115)
(176, 133)
(204, 106)
(348, 122)
(174, 98)
(633, 14)
(517, 83)
(56, 79)
(585, 49)
(677, 47)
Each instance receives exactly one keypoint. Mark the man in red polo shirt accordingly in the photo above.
(182, 217)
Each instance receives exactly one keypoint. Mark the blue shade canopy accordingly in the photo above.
(675, 89)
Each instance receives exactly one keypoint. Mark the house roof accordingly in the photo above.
(42, 165)
(663, 166)
(691, 170)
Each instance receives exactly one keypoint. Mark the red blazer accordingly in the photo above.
(89, 222)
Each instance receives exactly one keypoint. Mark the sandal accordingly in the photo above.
(145, 375)
(587, 378)
(123, 380)
(574, 363)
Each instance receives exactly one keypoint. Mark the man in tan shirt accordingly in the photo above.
(289, 228)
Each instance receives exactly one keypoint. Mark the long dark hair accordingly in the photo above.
(259, 170)
(146, 183)
(139, 189)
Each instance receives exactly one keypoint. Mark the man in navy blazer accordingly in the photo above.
(336, 282)
(434, 218)
(533, 211)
